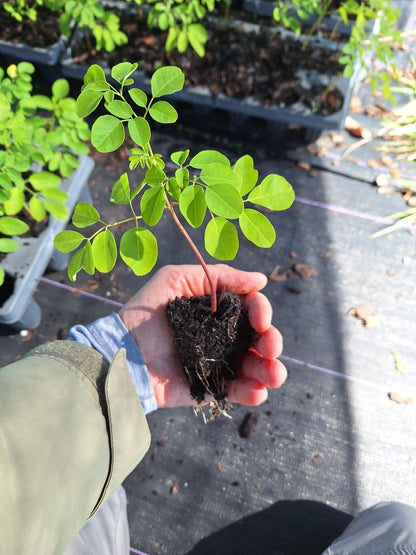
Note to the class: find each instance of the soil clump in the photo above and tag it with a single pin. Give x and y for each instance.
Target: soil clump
(210, 345)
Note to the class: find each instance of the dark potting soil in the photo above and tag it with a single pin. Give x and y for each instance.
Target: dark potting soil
(209, 344)
(42, 33)
(237, 63)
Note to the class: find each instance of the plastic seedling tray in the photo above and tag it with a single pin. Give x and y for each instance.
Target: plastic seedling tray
(25, 266)
(23, 52)
(239, 110)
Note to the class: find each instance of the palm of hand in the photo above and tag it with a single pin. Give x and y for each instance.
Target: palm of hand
(145, 318)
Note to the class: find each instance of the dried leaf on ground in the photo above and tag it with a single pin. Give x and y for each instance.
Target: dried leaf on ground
(304, 270)
(174, 489)
(356, 106)
(353, 127)
(248, 425)
(367, 315)
(278, 275)
(382, 180)
(400, 399)
(304, 165)
(337, 137)
(297, 270)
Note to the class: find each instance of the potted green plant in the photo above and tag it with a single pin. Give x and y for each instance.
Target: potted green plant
(43, 170)
(369, 29)
(53, 22)
(205, 189)
(269, 76)
(30, 31)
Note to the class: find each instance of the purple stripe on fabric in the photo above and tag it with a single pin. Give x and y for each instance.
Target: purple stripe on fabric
(340, 209)
(332, 372)
(136, 551)
(79, 291)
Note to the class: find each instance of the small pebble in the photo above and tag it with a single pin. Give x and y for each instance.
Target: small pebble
(24, 333)
(407, 260)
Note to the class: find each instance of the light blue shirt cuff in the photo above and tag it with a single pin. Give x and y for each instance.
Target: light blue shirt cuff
(107, 335)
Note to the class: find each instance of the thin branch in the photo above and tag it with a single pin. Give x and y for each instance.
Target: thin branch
(197, 254)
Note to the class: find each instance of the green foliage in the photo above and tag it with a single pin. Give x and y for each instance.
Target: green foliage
(92, 15)
(363, 46)
(22, 10)
(207, 189)
(181, 19)
(29, 141)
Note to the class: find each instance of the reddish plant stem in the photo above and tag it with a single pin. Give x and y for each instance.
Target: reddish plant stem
(198, 255)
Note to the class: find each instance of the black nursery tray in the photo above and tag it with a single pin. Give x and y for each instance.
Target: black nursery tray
(22, 51)
(240, 109)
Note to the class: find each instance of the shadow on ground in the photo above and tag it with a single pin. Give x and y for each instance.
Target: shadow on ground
(285, 528)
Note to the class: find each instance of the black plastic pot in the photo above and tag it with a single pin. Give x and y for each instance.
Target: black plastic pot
(25, 266)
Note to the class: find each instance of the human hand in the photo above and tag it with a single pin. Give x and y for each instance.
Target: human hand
(144, 317)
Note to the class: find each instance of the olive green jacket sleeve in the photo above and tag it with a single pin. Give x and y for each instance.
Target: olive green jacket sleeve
(71, 429)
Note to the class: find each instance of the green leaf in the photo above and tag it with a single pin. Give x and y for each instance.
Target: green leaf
(274, 192)
(206, 157)
(25, 67)
(192, 205)
(152, 205)
(245, 169)
(44, 180)
(107, 134)
(15, 202)
(154, 176)
(43, 102)
(217, 174)
(37, 209)
(102, 86)
(121, 190)
(166, 80)
(120, 109)
(93, 74)
(2, 275)
(173, 188)
(197, 36)
(87, 102)
(54, 194)
(221, 239)
(60, 89)
(182, 43)
(104, 249)
(224, 200)
(89, 265)
(12, 226)
(139, 131)
(8, 245)
(85, 215)
(138, 249)
(139, 97)
(75, 264)
(163, 112)
(182, 177)
(68, 241)
(56, 209)
(257, 228)
(179, 158)
(121, 71)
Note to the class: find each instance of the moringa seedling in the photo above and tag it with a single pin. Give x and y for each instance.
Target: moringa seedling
(205, 189)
